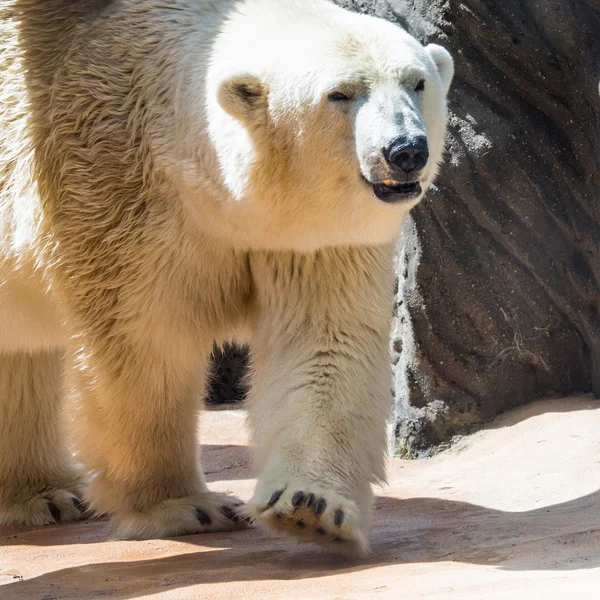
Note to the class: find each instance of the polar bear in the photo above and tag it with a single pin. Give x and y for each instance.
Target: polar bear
(174, 173)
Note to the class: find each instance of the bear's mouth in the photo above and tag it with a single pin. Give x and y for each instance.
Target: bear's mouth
(392, 191)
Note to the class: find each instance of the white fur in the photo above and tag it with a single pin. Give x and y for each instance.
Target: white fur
(173, 173)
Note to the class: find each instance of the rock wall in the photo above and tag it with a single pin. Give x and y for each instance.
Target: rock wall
(499, 276)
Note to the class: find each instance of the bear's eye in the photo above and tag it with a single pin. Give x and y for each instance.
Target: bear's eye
(420, 86)
(338, 97)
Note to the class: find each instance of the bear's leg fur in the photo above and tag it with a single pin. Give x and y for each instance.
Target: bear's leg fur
(320, 393)
(137, 431)
(38, 484)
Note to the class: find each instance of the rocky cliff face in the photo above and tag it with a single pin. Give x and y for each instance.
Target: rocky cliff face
(499, 271)
(499, 275)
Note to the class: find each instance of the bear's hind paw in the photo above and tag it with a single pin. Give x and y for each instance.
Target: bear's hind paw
(50, 506)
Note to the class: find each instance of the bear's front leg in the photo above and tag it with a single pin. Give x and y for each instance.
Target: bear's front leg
(137, 433)
(320, 393)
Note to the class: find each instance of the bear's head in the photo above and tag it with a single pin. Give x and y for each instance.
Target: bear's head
(328, 126)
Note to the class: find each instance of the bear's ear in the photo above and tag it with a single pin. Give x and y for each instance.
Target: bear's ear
(242, 96)
(444, 64)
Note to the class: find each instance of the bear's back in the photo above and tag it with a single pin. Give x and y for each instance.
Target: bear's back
(34, 38)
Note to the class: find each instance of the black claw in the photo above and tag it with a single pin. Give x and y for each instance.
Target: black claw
(297, 498)
(80, 505)
(230, 514)
(309, 500)
(300, 524)
(338, 519)
(203, 517)
(275, 497)
(320, 506)
(339, 539)
(54, 511)
(321, 531)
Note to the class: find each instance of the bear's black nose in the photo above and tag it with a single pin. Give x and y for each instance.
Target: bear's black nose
(408, 154)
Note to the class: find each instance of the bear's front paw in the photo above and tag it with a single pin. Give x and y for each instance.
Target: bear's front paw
(311, 513)
(202, 513)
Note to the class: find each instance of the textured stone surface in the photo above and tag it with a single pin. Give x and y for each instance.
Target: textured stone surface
(472, 523)
(499, 290)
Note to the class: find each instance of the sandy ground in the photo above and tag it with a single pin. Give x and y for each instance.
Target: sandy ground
(511, 512)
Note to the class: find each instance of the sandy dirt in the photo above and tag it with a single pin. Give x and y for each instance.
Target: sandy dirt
(510, 512)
